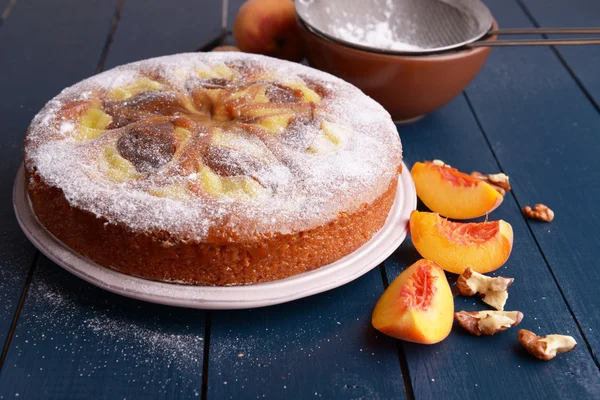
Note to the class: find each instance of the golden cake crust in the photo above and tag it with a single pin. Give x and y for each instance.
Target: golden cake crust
(153, 255)
(213, 169)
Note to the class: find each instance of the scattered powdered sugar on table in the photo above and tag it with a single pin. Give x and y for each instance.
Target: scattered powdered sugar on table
(16, 254)
(302, 190)
(58, 306)
(259, 353)
(103, 337)
(172, 347)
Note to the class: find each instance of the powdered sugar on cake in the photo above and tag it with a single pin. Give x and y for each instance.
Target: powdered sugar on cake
(300, 190)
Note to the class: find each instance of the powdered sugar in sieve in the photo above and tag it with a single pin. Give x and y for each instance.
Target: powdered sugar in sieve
(398, 26)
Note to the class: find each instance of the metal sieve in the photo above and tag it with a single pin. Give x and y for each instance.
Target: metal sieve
(415, 26)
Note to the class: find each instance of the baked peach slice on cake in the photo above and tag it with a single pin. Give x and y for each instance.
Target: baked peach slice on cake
(452, 193)
(417, 306)
(483, 246)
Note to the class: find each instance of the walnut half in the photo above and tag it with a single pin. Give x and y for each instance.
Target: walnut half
(541, 212)
(493, 291)
(499, 181)
(547, 347)
(479, 323)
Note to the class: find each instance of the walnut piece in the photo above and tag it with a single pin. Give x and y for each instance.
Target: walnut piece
(479, 323)
(493, 291)
(499, 181)
(547, 347)
(540, 212)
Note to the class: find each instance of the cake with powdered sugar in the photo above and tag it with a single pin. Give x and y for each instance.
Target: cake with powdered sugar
(212, 168)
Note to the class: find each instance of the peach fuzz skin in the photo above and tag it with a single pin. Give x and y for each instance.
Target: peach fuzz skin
(452, 193)
(269, 27)
(417, 306)
(483, 246)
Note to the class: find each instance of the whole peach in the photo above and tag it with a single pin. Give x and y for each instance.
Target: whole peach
(268, 27)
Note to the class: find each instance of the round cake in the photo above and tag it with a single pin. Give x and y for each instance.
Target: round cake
(212, 168)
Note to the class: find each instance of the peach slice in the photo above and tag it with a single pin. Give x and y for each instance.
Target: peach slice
(452, 193)
(116, 167)
(92, 124)
(173, 192)
(483, 246)
(333, 137)
(128, 91)
(417, 306)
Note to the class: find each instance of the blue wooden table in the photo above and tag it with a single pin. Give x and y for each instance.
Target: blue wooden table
(532, 113)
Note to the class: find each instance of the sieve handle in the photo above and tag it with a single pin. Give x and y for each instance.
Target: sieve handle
(544, 31)
(540, 41)
(534, 42)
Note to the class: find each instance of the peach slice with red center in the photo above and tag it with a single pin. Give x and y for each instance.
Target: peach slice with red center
(417, 306)
(452, 193)
(483, 246)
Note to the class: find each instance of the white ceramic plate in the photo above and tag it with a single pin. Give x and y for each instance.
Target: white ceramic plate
(302, 285)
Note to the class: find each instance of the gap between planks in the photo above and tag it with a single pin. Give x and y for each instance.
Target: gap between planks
(401, 355)
(206, 355)
(564, 63)
(527, 222)
(218, 41)
(111, 33)
(225, 31)
(34, 262)
(37, 254)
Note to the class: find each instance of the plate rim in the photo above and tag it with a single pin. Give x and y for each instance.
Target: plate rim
(322, 279)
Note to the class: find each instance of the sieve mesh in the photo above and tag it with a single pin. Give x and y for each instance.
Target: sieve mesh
(398, 26)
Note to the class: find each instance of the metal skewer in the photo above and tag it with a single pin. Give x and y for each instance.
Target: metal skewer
(540, 41)
(544, 31)
(533, 42)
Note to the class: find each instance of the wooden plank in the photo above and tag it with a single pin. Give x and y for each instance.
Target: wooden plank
(234, 6)
(582, 60)
(151, 28)
(16, 259)
(80, 342)
(463, 366)
(319, 347)
(61, 47)
(544, 132)
(4, 11)
(30, 57)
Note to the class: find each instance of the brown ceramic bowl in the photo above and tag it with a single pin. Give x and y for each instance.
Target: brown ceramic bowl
(406, 86)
